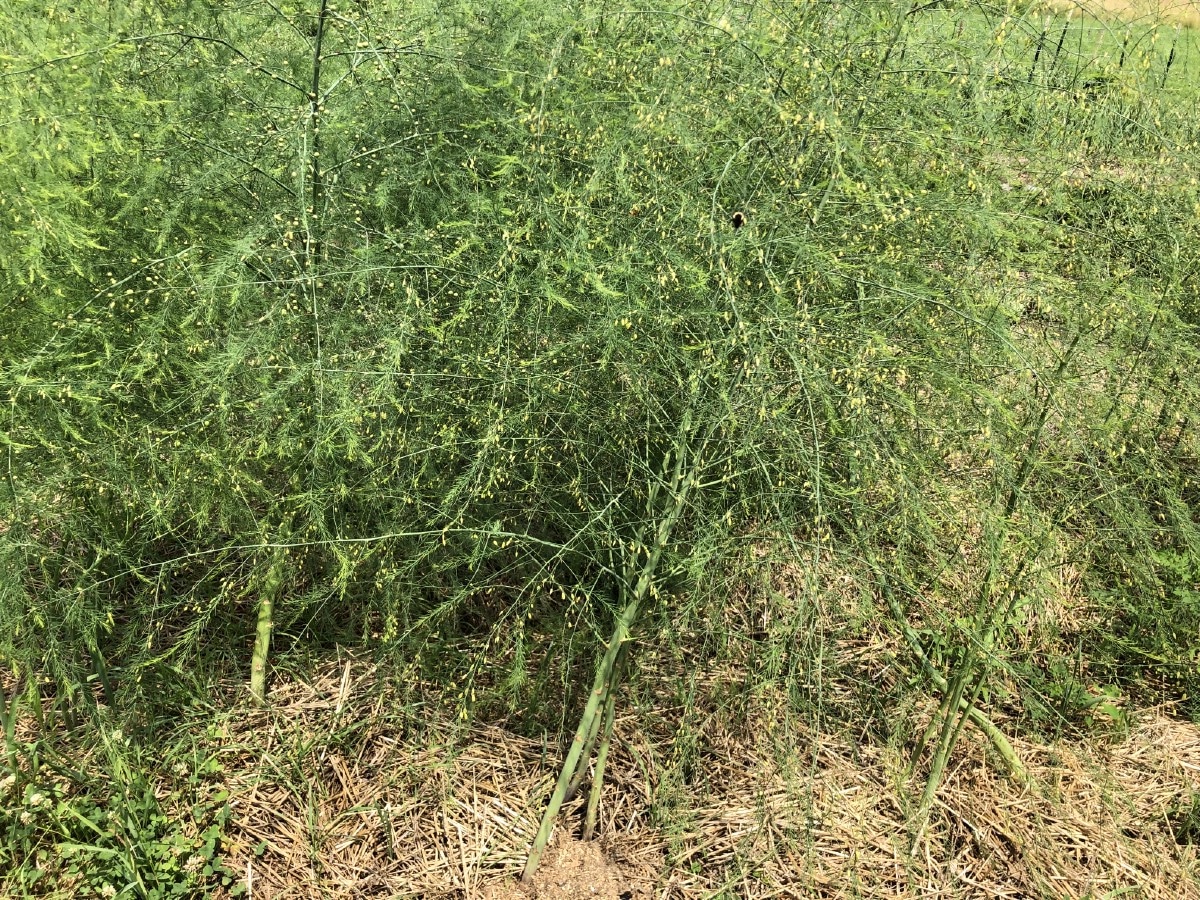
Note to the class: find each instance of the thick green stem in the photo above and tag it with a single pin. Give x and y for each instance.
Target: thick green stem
(957, 707)
(101, 667)
(951, 727)
(944, 709)
(620, 634)
(262, 648)
(581, 768)
(1000, 743)
(954, 706)
(8, 719)
(1027, 463)
(312, 250)
(265, 628)
(681, 484)
(958, 704)
(593, 807)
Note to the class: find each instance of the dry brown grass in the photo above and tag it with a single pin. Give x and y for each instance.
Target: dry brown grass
(1181, 12)
(344, 800)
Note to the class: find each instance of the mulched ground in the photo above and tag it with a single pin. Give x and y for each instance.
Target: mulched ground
(334, 797)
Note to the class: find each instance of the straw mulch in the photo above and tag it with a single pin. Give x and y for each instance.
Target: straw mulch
(334, 797)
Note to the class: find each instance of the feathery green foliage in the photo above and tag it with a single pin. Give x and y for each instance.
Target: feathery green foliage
(390, 314)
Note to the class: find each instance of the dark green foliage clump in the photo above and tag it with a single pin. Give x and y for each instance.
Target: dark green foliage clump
(116, 833)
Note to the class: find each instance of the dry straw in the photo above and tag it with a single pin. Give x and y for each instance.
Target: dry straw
(402, 808)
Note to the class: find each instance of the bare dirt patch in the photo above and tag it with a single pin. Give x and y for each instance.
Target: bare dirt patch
(571, 870)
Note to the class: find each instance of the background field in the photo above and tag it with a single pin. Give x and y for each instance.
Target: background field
(393, 390)
(1173, 12)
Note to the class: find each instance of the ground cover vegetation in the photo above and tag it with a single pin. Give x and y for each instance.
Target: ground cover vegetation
(526, 346)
